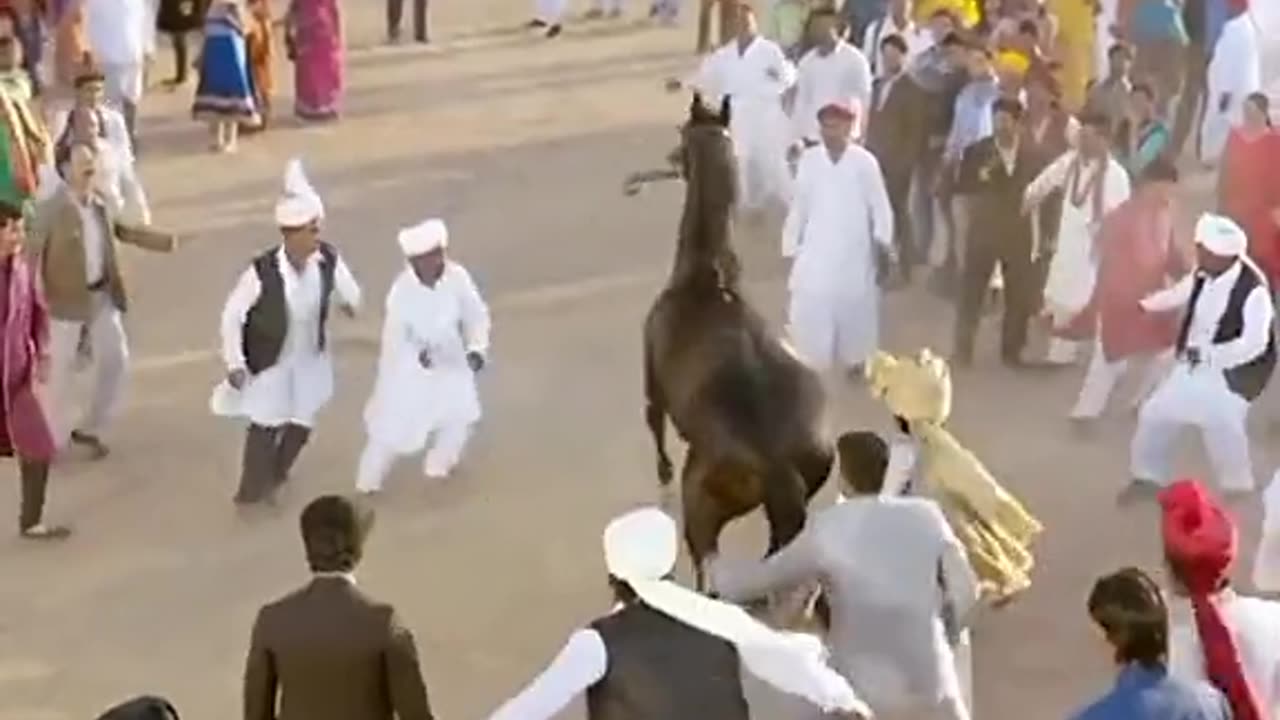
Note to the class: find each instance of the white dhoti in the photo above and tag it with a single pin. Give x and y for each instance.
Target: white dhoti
(1198, 397)
(124, 83)
(834, 329)
(291, 392)
(1101, 378)
(110, 362)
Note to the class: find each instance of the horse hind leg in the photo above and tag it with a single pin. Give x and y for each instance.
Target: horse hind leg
(814, 466)
(703, 519)
(784, 505)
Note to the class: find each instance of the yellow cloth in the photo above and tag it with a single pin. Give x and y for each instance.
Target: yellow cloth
(995, 528)
(966, 11)
(1012, 62)
(1074, 49)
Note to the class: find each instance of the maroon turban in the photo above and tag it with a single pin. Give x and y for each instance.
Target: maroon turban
(1200, 544)
(841, 110)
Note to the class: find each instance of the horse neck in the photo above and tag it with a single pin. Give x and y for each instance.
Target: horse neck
(705, 243)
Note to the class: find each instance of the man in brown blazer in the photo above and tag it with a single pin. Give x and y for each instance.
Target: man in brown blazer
(328, 651)
(74, 238)
(896, 135)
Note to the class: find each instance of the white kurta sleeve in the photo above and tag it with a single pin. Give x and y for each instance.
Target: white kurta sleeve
(799, 561)
(234, 312)
(581, 663)
(345, 284)
(709, 79)
(1254, 336)
(786, 70)
(132, 196)
(1170, 298)
(860, 84)
(1118, 188)
(802, 107)
(475, 315)
(1049, 179)
(879, 209)
(798, 211)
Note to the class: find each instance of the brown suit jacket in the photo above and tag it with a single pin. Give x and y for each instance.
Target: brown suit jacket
(329, 652)
(56, 240)
(897, 131)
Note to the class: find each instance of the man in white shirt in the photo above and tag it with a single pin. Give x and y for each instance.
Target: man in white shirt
(754, 73)
(832, 72)
(1226, 352)
(1216, 634)
(896, 22)
(116, 178)
(897, 581)
(667, 653)
(839, 224)
(275, 343)
(434, 340)
(1235, 72)
(122, 37)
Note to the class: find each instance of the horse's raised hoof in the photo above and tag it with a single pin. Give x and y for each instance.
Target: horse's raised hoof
(666, 471)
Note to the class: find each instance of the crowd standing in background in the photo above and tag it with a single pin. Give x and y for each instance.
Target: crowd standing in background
(1028, 152)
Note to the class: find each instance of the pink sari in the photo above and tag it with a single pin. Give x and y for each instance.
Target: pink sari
(315, 30)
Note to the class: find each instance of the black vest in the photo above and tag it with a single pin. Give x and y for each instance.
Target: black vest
(267, 322)
(662, 669)
(1250, 379)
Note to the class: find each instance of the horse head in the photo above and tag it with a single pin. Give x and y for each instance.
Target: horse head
(707, 162)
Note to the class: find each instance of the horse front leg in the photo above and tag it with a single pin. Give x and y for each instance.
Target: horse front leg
(655, 415)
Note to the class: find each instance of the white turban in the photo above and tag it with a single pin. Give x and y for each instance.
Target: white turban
(1221, 236)
(298, 204)
(424, 237)
(640, 549)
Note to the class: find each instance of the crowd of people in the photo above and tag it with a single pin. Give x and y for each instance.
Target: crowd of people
(1017, 151)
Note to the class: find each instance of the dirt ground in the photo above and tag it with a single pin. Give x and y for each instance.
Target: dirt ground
(522, 145)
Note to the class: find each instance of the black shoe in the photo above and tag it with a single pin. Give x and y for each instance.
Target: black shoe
(97, 449)
(1137, 491)
(553, 31)
(536, 24)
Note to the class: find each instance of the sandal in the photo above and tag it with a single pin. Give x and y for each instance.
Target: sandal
(97, 449)
(40, 531)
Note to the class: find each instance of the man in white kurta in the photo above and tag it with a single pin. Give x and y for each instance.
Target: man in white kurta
(1235, 72)
(122, 37)
(754, 73)
(839, 228)
(895, 22)
(1222, 354)
(832, 72)
(434, 340)
(898, 582)
(274, 343)
(1094, 183)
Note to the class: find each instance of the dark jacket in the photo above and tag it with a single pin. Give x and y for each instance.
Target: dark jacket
(896, 132)
(329, 652)
(995, 195)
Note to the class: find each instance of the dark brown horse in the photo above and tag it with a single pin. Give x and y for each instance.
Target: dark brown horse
(750, 412)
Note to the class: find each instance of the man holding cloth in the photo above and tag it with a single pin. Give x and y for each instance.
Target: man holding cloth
(1215, 634)
(667, 653)
(434, 340)
(840, 222)
(1225, 352)
(275, 340)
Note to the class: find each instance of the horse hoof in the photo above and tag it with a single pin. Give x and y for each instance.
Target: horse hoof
(665, 471)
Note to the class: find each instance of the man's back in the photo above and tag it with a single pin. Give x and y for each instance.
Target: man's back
(1153, 694)
(330, 652)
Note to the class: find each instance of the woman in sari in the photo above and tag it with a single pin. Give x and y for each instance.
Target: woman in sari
(314, 35)
(261, 45)
(225, 97)
(1249, 184)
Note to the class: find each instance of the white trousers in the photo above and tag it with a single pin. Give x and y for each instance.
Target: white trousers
(444, 450)
(110, 361)
(830, 329)
(1200, 398)
(1062, 352)
(551, 12)
(763, 171)
(1101, 378)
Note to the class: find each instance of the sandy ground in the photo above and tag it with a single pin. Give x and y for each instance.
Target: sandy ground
(522, 145)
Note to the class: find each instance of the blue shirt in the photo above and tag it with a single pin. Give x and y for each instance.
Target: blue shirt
(1156, 20)
(1152, 694)
(972, 121)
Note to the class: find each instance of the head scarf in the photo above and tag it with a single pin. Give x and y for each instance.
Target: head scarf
(1221, 235)
(640, 549)
(424, 237)
(1200, 543)
(298, 204)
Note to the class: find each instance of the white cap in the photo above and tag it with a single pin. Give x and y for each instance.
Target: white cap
(424, 237)
(641, 545)
(298, 204)
(1221, 235)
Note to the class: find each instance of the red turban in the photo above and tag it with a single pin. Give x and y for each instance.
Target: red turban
(1200, 543)
(842, 110)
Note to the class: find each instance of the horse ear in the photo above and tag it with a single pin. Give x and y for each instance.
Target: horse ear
(695, 105)
(724, 111)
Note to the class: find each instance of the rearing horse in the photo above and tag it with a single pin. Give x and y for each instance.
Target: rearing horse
(749, 410)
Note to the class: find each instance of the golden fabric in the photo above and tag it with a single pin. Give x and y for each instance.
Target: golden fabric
(996, 529)
(966, 11)
(1074, 49)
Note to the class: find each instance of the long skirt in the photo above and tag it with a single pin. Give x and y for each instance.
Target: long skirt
(318, 60)
(226, 88)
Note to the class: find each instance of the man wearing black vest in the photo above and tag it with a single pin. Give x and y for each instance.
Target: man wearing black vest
(275, 340)
(1226, 351)
(667, 653)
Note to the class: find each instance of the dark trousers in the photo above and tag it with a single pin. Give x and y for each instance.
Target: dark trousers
(269, 455)
(1186, 122)
(898, 186)
(181, 57)
(35, 487)
(1012, 251)
(395, 11)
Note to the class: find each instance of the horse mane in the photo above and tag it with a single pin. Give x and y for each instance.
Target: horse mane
(705, 258)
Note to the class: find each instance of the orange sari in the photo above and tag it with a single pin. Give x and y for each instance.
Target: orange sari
(260, 44)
